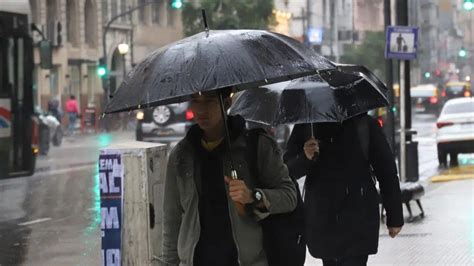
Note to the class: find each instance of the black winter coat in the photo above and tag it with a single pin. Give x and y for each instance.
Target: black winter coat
(341, 201)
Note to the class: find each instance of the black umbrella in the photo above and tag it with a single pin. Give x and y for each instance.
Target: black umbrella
(212, 60)
(331, 96)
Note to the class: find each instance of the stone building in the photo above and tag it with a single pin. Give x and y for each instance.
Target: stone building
(76, 28)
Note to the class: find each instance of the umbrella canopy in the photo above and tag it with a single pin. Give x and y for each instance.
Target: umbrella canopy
(211, 60)
(313, 99)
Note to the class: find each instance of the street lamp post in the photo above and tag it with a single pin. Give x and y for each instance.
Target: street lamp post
(104, 42)
(123, 50)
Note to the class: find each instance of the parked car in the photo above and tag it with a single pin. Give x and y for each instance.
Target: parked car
(456, 89)
(425, 98)
(455, 132)
(164, 123)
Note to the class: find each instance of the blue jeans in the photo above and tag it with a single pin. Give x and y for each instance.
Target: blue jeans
(72, 122)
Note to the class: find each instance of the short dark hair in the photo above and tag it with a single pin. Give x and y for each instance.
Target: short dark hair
(72, 97)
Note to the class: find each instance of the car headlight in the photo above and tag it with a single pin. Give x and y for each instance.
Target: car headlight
(140, 115)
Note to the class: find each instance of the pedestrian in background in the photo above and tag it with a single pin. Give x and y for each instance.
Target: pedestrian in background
(202, 224)
(341, 202)
(72, 111)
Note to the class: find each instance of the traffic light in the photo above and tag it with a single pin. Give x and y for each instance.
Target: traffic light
(176, 4)
(468, 5)
(102, 68)
(427, 75)
(462, 52)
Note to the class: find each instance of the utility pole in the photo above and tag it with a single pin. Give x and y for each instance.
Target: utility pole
(408, 148)
(334, 31)
(389, 79)
(402, 20)
(308, 15)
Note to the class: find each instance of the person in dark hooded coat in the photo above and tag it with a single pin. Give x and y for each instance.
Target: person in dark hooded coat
(341, 200)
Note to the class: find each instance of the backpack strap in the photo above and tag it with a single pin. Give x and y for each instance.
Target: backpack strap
(251, 137)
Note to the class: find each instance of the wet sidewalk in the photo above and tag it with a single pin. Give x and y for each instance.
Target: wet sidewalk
(79, 151)
(443, 237)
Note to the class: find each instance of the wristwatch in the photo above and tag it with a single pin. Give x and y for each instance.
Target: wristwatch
(257, 196)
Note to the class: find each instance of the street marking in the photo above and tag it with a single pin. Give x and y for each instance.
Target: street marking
(455, 173)
(445, 178)
(35, 221)
(64, 171)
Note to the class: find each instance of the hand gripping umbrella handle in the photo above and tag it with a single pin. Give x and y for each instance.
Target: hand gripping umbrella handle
(239, 206)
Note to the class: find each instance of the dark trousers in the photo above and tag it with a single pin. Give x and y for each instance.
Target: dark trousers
(347, 261)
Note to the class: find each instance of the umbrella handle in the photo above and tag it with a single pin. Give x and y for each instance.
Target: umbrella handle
(312, 130)
(239, 206)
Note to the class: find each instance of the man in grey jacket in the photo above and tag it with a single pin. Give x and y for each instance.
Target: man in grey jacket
(202, 222)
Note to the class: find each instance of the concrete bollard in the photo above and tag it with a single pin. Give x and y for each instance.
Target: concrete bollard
(132, 176)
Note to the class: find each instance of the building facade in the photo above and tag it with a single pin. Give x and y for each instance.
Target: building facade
(76, 27)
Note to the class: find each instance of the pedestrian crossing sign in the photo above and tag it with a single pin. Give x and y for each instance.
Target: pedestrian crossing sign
(401, 42)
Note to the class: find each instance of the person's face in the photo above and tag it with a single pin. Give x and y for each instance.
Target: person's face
(207, 112)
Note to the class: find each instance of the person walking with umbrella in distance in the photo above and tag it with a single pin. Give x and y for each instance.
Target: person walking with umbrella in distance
(342, 162)
(203, 219)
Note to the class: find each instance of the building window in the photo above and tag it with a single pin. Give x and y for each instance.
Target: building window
(71, 22)
(51, 19)
(123, 8)
(114, 8)
(171, 16)
(35, 11)
(105, 11)
(142, 11)
(156, 14)
(90, 23)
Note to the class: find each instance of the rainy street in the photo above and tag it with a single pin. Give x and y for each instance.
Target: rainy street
(52, 218)
(96, 95)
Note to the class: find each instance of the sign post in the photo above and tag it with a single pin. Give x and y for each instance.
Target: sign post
(401, 44)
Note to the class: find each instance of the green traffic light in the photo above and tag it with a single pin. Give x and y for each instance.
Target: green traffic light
(427, 75)
(468, 5)
(176, 4)
(462, 53)
(101, 71)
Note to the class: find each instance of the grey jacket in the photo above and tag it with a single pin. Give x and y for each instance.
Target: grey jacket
(181, 225)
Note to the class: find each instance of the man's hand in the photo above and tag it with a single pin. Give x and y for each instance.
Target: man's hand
(311, 148)
(238, 191)
(393, 231)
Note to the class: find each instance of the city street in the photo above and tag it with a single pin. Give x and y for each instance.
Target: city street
(52, 218)
(148, 70)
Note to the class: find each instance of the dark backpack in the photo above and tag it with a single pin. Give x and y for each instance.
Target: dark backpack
(283, 238)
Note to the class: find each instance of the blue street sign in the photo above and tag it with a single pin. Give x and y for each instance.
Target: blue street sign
(315, 35)
(401, 42)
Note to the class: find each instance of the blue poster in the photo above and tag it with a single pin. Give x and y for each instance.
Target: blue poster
(111, 180)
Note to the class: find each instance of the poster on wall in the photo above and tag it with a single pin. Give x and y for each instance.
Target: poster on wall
(111, 204)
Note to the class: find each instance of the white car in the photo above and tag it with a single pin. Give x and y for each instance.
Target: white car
(455, 132)
(166, 123)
